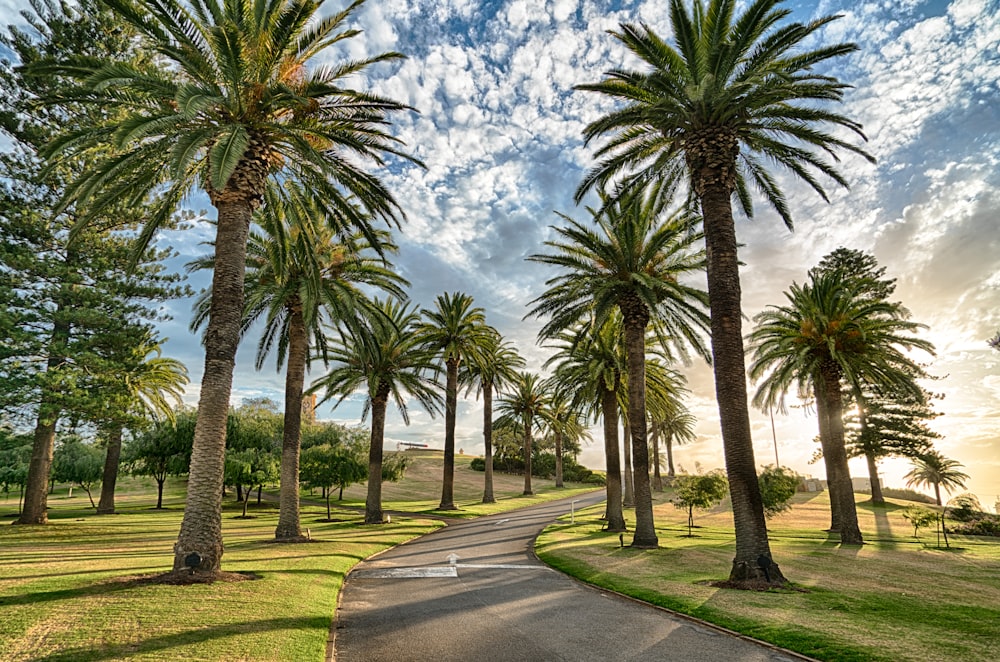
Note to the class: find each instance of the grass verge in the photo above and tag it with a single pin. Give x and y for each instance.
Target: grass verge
(66, 594)
(895, 598)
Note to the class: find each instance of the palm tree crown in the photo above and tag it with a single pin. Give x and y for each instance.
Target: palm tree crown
(935, 469)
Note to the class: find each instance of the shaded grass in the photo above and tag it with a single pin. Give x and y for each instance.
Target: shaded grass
(896, 598)
(65, 594)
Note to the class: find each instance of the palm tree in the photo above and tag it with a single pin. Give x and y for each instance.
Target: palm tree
(588, 360)
(388, 360)
(667, 415)
(831, 334)
(300, 276)
(154, 383)
(632, 261)
(489, 372)
(732, 95)
(523, 407)
(229, 103)
(935, 469)
(459, 333)
(563, 419)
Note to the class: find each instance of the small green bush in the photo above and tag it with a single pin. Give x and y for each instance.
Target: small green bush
(989, 525)
(906, 495)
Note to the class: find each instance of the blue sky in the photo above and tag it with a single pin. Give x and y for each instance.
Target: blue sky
(499, 128)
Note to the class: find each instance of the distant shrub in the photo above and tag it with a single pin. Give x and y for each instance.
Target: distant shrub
(906, 495)
(478, 464)
(988, 525)
(777, 487)
(596, 479)
(965, 508)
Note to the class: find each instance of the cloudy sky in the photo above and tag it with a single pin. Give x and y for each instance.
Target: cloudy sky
(499, 128)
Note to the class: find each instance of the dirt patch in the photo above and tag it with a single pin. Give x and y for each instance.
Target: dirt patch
(754, 585)
(183, 578)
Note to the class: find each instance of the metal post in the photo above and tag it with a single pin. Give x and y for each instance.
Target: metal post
(572, 512)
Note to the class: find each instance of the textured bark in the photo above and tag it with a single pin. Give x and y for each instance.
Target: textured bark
(450, 405)
(628, 493)
(289, 528)
(836, 454)
(668, 443)
(559, 464)
(654, 433)
(106, 506)
(201, 528)
(636, 316)
(488, 442)
(833, 482)
(715, 191)
(159, 492)
(609, 411)
(36, 488)
(527, 457)
(373, 502)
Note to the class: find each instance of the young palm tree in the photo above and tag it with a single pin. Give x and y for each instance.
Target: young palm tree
(458, 333)
(301, 276)
(828, 336)
(386, 360)
(524, 406)
(667, 415)
(156, 383)
(490, 371)
(229, 103)
(632, 261)
(935, 469)
(730, 96)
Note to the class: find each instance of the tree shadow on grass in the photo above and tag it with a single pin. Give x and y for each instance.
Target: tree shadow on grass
(164, 643)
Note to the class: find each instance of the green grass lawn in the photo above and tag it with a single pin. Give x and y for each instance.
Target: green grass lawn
(68, 590)
(895, 598)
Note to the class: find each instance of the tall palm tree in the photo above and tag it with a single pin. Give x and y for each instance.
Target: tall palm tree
(303, 271)
(229, 103)
(587, 359)
(524, 406)
(153, 386)
(677, 426)
(563, 418)
(934, 469)
(831, 335)
(632, 261)
(387, 359)
(730, 96)
(458, 332)
(490, 371)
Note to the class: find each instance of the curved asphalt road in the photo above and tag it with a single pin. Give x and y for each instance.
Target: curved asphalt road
(497, 602)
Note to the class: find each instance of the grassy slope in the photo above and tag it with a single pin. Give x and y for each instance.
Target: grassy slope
(65, 595)
(895, 598)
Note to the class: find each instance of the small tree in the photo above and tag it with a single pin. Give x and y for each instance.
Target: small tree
(15, 453)
(919, 517)
(163, 450)
(699, 491)
(77, 462)
(327, 466)
(777, 487)
(251, 467)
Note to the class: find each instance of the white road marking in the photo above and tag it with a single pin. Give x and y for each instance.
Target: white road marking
(407, 573)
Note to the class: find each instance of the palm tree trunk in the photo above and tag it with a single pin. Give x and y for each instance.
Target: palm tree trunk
(636, 317)
(373, 502)
(488, 442)
(106, 506)
(877, 496)
(36, 488)
(201, 528)
(450, 405)
(289, 527)
(730, 376)
(655, 434)
(527, 457)
(835, 454)
(668, 443)
(833, 481)
(559, 464)
(628, 497)
(160, 480)
(609, 411)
